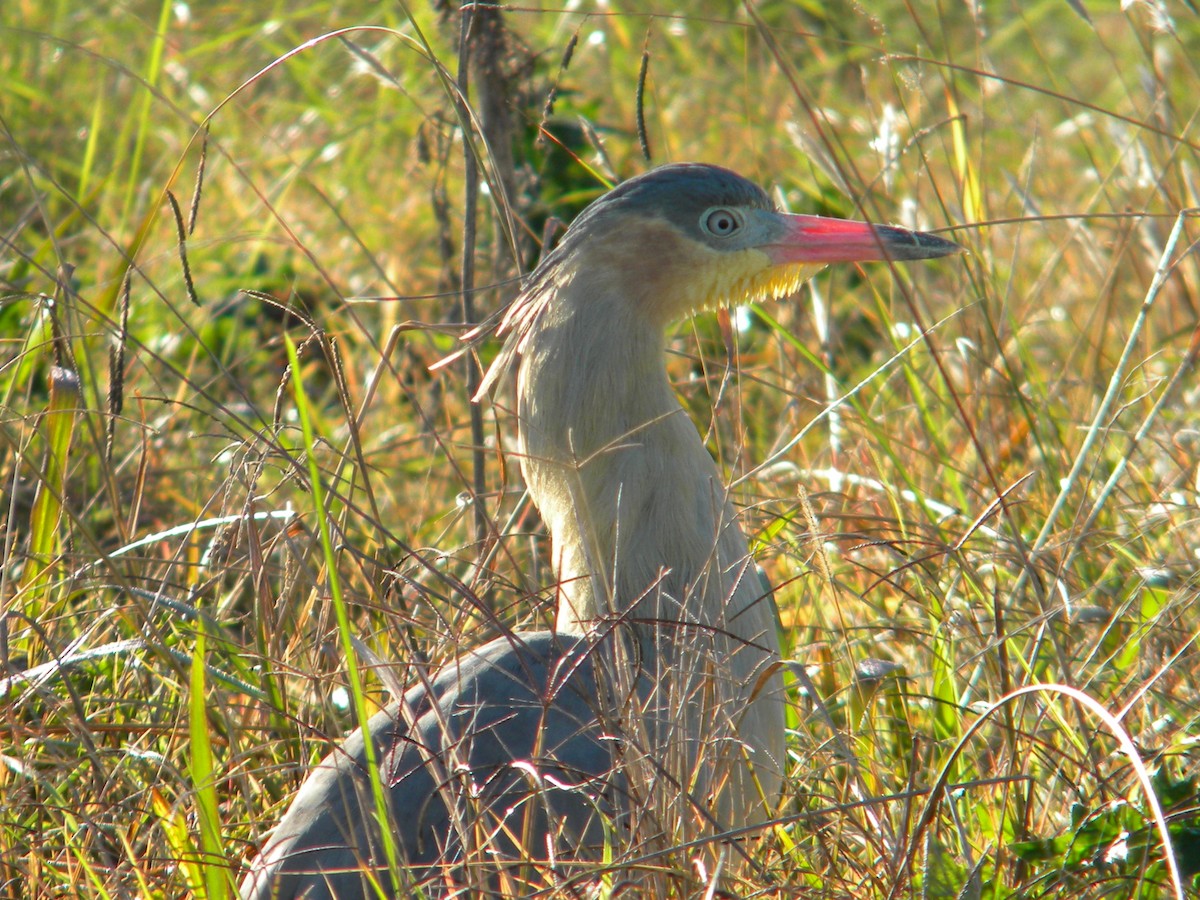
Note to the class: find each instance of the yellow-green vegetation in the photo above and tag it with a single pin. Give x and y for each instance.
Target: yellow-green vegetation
(966, 479)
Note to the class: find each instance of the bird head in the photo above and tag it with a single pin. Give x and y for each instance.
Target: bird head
(690, 236)
(686, 237)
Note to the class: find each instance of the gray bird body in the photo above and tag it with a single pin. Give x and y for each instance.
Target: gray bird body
(672, 718)
(446, 768)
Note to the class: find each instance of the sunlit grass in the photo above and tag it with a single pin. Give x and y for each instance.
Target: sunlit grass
(980, 518)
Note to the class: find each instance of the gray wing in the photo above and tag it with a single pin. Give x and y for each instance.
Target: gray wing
(447, 768)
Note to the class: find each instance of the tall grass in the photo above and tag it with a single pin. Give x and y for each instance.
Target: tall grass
(967, 480)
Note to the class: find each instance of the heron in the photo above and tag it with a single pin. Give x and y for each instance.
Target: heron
(656, 705)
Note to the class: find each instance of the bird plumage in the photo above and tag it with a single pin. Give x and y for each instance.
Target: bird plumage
(670, 721)
(445, 755)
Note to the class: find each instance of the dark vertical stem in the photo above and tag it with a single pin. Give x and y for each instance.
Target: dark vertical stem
(467, 273)
(643, 138)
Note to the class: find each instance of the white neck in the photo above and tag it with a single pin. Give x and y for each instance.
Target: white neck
(634, 502)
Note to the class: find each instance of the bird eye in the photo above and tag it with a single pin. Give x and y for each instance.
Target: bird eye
(720, 222)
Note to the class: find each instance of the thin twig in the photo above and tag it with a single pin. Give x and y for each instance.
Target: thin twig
(467, 273)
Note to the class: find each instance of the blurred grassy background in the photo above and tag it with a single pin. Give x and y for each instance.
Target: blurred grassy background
(980, 475)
